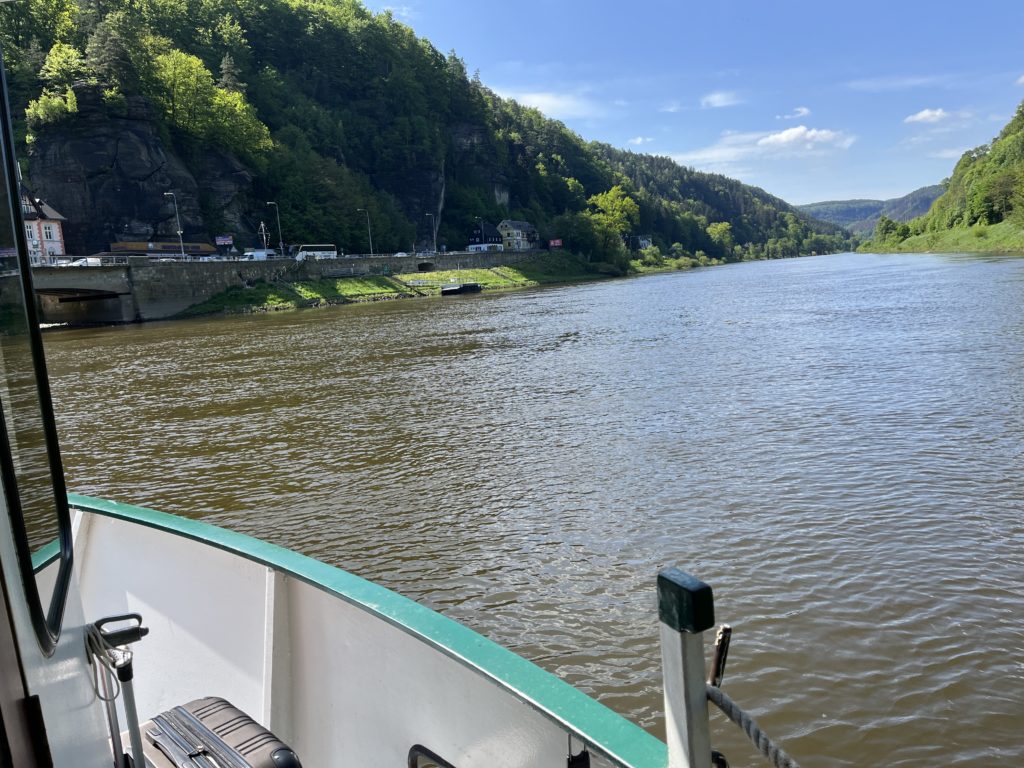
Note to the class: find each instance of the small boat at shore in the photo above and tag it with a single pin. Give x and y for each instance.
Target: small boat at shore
(454, 289)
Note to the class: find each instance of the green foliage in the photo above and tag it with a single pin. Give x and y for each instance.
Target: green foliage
(63, 66)
(721, 235)
(190, 101)
(336, 108)
(987, 185)
(50, 107)
(1004, 237)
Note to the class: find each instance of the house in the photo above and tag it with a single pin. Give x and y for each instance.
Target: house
(484, 234)
(44, 231)
(518, 235)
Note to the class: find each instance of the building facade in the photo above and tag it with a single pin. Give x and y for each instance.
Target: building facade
(44, 231)
(518, 235)
(485, 234)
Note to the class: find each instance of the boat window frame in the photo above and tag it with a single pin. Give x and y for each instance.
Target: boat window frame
(46, 620)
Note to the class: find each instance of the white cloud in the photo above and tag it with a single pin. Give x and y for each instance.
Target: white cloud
(639, 140)
(927, 116)
(796, 114)
(892, 83)
(672, 106)
(808, 138)
(1020, 80)
(561, 106)
(718, 99)
(733, 147)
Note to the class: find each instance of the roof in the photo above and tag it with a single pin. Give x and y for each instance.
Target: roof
(33, 208)
(488, 228)
(516, 224)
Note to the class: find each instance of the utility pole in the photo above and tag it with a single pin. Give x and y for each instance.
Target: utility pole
(177, 219)
(369, 232)
(280, 237)
(433, 229)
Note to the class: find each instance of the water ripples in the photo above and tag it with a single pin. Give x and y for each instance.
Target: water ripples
(833, 443)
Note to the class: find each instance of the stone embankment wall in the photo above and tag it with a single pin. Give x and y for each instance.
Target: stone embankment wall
(144, 290)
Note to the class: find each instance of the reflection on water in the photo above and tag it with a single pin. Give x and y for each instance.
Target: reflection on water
(833, 443)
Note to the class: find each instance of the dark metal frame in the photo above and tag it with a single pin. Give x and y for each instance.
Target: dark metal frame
(46, 621)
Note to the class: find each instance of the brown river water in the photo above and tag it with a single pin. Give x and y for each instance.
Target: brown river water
(835, 444)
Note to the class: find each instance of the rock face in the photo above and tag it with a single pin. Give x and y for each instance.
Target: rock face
(107, 170)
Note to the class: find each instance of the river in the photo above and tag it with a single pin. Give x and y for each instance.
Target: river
(835, 444)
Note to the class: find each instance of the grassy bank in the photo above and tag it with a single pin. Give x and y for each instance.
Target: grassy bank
(1005, 237)
(556, 267)
(262, 297)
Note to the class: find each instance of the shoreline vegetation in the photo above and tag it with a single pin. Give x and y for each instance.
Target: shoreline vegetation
(1005, 237)
(549, 269)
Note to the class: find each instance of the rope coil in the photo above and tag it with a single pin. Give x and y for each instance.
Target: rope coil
(749, 726)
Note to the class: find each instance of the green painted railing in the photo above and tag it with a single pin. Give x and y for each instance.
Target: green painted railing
(42, 557)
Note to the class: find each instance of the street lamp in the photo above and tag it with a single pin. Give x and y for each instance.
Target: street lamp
(181, 242)
(433, 229)
(369, 232)
(280, 238)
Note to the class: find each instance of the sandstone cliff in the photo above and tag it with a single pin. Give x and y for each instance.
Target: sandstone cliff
(107, 168)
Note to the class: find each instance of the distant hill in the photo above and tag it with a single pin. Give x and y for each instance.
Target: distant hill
(860, 216)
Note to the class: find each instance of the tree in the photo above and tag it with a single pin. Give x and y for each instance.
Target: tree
(185, 90)
(63, 66)
(229, 75)
(721, 235)
(616, 209)
(108, 56)
(885, 229)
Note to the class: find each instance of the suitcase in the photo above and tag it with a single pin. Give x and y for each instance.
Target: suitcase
(211, 733)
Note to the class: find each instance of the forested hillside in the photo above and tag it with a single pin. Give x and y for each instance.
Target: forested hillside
(861, 216)
(327, 109)
(982, 207)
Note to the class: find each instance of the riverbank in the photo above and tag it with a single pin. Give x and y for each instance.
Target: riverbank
(1004, 237)
(552, 268)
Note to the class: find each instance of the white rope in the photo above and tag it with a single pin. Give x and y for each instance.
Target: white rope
(765, 745)
(103, 654)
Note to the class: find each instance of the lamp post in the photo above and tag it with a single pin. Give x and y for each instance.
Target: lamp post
(433, 229)
(369, 232)
(181, 242)
(280, 237)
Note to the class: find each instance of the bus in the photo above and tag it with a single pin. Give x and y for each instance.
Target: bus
(317, 252)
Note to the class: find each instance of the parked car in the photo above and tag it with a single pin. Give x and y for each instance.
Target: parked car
(88, 261)
(259, 254)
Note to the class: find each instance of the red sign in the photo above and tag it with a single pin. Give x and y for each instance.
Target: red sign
(555, 243)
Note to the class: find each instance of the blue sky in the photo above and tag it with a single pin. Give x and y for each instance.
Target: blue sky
(809, 100)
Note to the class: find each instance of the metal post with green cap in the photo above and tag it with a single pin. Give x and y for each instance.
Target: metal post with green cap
(686, 608)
